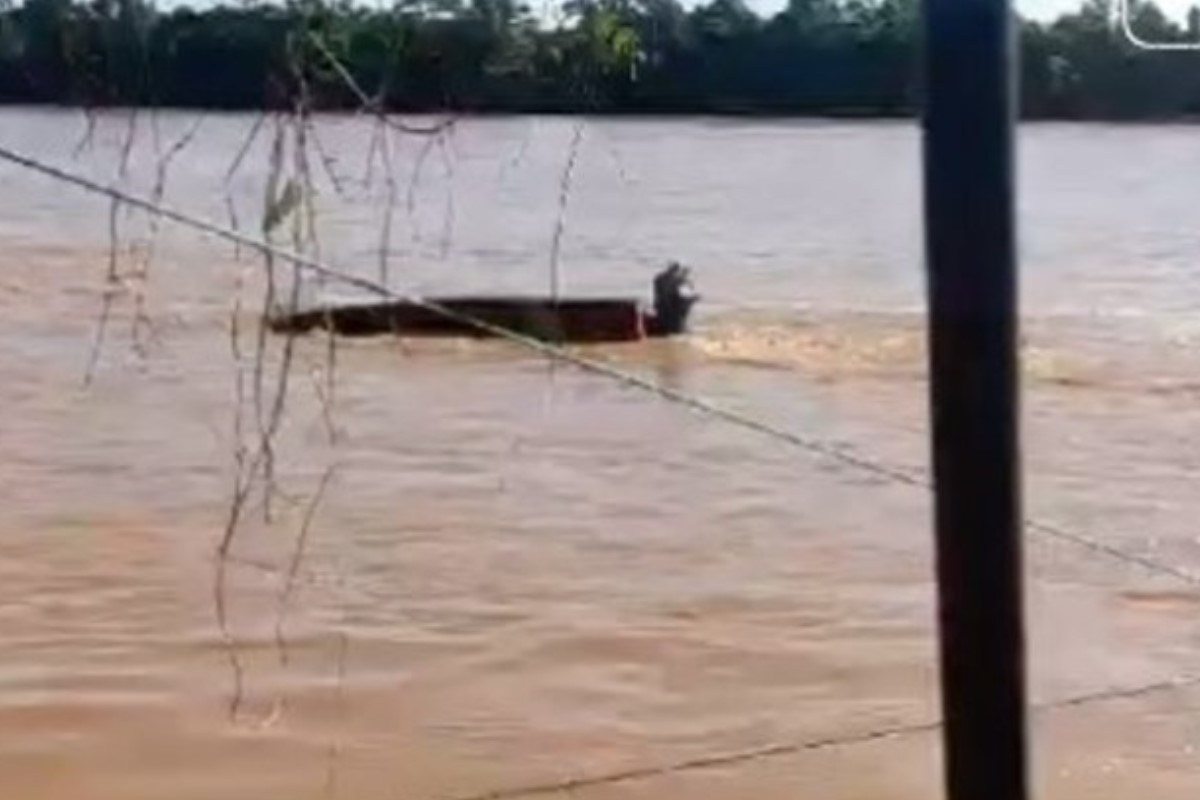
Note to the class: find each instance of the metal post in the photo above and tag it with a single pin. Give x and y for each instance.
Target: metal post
(970, 241)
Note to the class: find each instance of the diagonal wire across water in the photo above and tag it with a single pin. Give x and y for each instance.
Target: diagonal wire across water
(697, 404)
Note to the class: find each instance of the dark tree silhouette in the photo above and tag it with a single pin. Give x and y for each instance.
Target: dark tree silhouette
(819, 57)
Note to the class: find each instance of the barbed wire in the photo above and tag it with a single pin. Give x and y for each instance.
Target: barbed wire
(695, 403)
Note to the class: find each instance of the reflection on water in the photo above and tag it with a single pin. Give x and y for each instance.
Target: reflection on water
(521, 573)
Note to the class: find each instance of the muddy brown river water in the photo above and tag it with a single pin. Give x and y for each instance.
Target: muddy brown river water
(521, 574)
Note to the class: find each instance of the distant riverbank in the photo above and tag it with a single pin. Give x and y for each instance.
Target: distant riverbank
(817, 58)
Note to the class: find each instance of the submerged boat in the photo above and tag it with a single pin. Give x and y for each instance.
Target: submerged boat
(549, 319)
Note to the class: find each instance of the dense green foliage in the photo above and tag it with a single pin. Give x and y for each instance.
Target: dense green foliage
(637, 56)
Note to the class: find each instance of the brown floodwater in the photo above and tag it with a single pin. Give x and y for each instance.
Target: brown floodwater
(519, 573)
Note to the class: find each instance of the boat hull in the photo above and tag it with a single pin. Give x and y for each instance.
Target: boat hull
(575, 320)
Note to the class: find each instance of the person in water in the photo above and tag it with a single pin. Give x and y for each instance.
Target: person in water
(674, 297)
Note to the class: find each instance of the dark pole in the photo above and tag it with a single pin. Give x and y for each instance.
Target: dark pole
(970, 241)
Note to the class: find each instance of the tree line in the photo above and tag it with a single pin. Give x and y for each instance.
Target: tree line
(815, 57)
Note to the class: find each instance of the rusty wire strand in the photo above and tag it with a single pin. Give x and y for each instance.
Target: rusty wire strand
(127, 144)
(564, 198)
(142, 323)
(327, 161)
(89, 132)
(389, 212)
(251, 137)
(297, 557)
(112, 286)
(449, 207)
